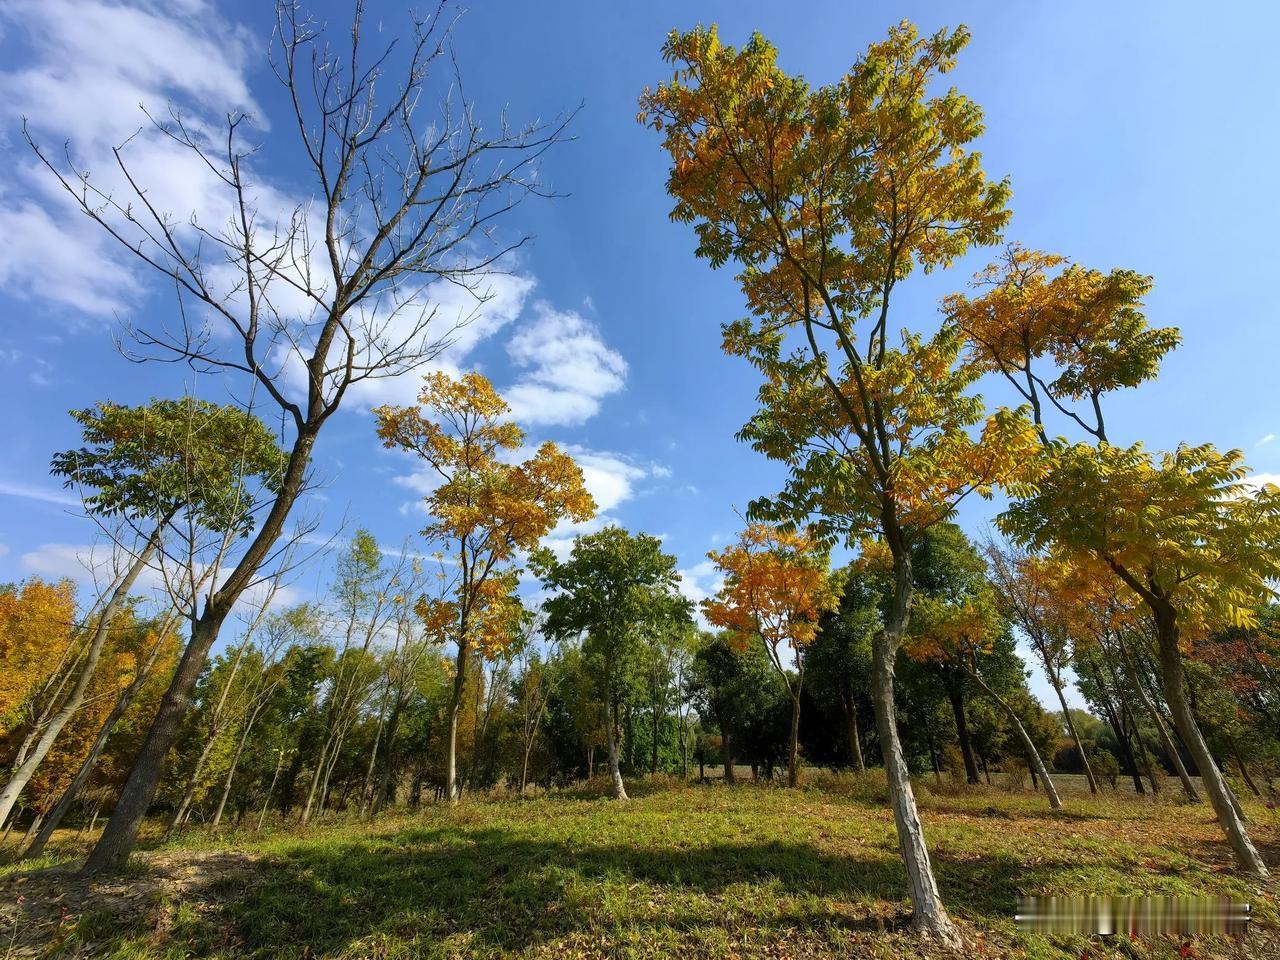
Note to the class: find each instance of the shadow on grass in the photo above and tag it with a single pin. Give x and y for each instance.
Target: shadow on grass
(496, 892)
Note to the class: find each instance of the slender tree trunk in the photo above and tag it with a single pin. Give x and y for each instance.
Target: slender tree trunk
(793, 747)
(726, 748)
(611, 733)
(249, 724)
(1220, 795)
(388, 759)
(455, 704)
(1071, 729)
(855, 737)
(1122, 741)
(1244, 771)
(266, 802)
(955, 693)
(22, 775)
(99, 744)
(1037, 762)
(1170, 748)
(316, 777)
(929, 915)
(189, 794)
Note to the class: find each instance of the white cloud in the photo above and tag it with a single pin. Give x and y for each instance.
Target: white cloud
(92, 65)
(569, 369)
(4, 549)
(700, 581)
(1259, 480)
(42, 494)
(1265, 440)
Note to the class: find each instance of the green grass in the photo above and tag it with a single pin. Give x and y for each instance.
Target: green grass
(696, 872)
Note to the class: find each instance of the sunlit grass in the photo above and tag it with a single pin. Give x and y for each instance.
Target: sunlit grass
(692, 872)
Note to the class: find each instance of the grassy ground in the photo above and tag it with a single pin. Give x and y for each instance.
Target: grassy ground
(688, 872)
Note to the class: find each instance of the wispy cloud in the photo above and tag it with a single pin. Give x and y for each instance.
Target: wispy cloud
(88, 67)
(1262, 442)
(42, 494)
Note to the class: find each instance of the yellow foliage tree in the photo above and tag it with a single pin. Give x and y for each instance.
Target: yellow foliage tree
(485, 511)
(777, 585)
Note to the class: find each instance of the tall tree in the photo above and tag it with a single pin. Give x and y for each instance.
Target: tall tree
(614, 589)
(776, 588)
(1194, 545)
(150, 465)
(485, 511)
(1034, 596)
(339, 290)
(827, 199)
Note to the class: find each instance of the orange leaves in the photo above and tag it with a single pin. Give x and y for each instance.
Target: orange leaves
(1087, 324)
(776, 586)
(36, 629)
(486, 509)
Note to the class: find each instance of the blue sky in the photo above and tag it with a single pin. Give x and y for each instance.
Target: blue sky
(1142, 135)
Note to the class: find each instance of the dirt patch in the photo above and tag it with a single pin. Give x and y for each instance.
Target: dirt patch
(40, 910)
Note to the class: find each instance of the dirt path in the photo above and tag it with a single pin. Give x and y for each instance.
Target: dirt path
(39, 910)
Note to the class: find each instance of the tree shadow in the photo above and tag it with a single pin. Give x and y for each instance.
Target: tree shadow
(497, 892)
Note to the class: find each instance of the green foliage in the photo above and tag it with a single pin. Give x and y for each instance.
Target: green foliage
(151, 461)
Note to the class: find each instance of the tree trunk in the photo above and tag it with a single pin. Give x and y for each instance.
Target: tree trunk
(1122, 741)
(726, 750)
(793, 748)
(99, 744)
(929, 915)
(1170, 748)
(388, 759)
(855, 738)
(266, 802)
(1037, 763)
(316, 778)
(366, 792)
(121, 833)
(1071, 729)
(653, 762)
(1220, 796)
(455, 704)
(22, 775)
(1244, 771)
(615, 773)
(189, 794)
(955, 693)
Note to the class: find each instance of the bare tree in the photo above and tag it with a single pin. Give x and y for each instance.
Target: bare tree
(306, 304)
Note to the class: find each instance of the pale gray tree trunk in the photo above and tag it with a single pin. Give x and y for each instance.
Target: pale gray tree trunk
(99, 744)
(22, 775)
(611, 733)
(1037, 762)
(929, 915)
(1071, 729)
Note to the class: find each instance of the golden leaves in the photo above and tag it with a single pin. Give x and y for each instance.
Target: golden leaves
(776, 586)
(487, 508)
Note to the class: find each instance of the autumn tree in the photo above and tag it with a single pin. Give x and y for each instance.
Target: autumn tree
(301, 296)
(1035, 594)
(1179, 529)
(776, 587)
(149, 466)
(958, 625)
(613, 590)
(828, 198)
(486, 511)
